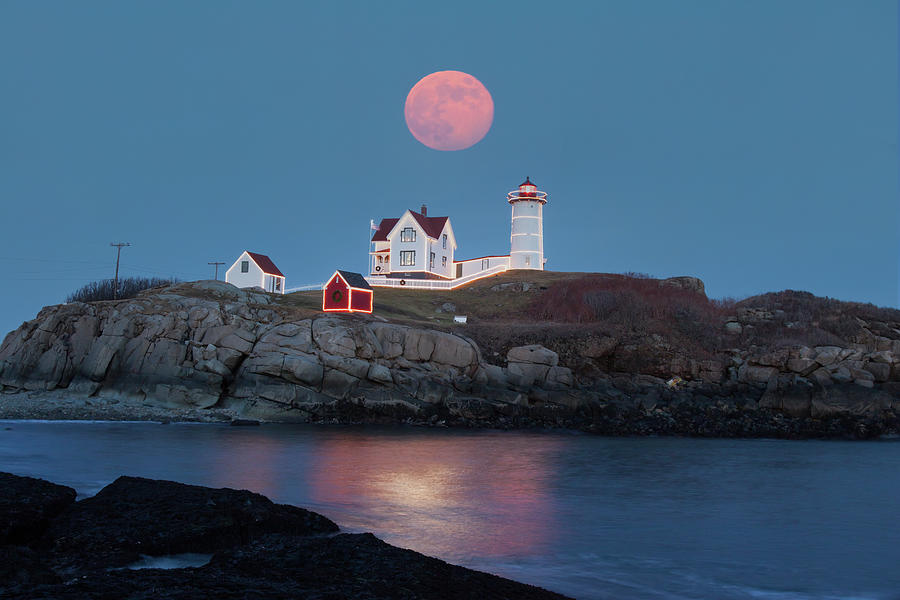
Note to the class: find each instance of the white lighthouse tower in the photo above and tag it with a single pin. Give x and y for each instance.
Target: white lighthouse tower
(527, 238)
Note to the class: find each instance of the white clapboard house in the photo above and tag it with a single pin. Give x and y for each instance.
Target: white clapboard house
(418, 251)
(254, 270)
(414, 246)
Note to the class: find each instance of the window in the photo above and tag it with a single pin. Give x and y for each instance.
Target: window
(445, 241)
(407, 258)
(484, 263)
(527, 260)
(245, 266)
(444, 261)
(277, 285)
(431, 262)
(407, 234)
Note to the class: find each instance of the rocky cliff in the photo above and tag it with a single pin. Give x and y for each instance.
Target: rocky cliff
(210, 348)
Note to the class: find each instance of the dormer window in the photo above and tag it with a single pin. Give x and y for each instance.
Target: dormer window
(407, 234)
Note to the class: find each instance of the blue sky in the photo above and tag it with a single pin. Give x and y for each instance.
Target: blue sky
(752, 144)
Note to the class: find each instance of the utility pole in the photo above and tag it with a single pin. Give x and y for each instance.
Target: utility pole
(118, 246)
(217, 268)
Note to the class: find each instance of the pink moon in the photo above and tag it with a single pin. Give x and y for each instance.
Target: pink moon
(449, 110)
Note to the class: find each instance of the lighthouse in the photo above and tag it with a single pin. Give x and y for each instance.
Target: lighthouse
(527, 237)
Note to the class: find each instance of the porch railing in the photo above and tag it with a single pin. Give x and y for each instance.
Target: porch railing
(433, 284)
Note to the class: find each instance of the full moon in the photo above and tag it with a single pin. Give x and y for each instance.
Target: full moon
(449, 110)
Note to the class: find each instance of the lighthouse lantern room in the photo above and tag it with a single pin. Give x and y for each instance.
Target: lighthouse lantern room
(527, 235)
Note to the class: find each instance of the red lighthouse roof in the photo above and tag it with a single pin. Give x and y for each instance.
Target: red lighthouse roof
(527, 191)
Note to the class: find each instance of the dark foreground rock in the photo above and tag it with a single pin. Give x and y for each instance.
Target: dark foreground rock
(27, 505)
(134, 516)
(259, 550)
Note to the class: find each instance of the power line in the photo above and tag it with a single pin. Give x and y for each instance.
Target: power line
(54, 260)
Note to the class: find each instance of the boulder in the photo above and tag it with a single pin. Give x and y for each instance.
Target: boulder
(756, 375)
(303, 369)
(821, 376)
(560, 376)
(841, 374)
(296, 336)
(213, 366)
(776, 358)
(495, 375)
(525, 374)
(826, 355)
(333, 337)
(446, 307)
(379, 373)
(803, 366)
(390, 337)
(351, 366)
(418, 344)
(454, 351)
(534, 354)
(883, 357)
(692, 284)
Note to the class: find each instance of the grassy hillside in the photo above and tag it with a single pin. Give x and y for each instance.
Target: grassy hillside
(480, 301)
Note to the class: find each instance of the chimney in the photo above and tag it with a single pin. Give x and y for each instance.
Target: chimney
(424, 211)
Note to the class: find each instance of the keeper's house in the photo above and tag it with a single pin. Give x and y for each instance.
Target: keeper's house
(414, 246)
(253, 270)
(347, 292)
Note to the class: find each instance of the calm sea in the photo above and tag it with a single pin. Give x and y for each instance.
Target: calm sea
(588, 516)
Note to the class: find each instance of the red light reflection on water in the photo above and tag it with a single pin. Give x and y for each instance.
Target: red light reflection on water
(444, 495)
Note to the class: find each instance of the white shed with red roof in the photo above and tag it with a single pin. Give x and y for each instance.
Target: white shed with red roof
(254, 270)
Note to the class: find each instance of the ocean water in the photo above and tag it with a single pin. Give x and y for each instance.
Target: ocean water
(591, 517)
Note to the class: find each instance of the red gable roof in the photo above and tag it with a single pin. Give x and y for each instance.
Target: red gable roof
(433, 226)
(384, 228)
(265, 263)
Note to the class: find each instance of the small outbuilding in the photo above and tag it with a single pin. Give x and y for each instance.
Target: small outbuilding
(347, 292)
(254, 270)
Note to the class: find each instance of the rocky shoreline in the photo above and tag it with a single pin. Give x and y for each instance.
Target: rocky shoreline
(207, 351)
(54, 547)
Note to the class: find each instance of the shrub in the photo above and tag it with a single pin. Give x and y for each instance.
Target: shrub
(817, 321)
(623, 300)
(105, 288)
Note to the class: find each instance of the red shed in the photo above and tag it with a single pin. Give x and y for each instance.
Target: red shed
(347, 292)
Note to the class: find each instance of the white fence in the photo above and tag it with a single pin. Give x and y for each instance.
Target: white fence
(433, 284)
(305, 288)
